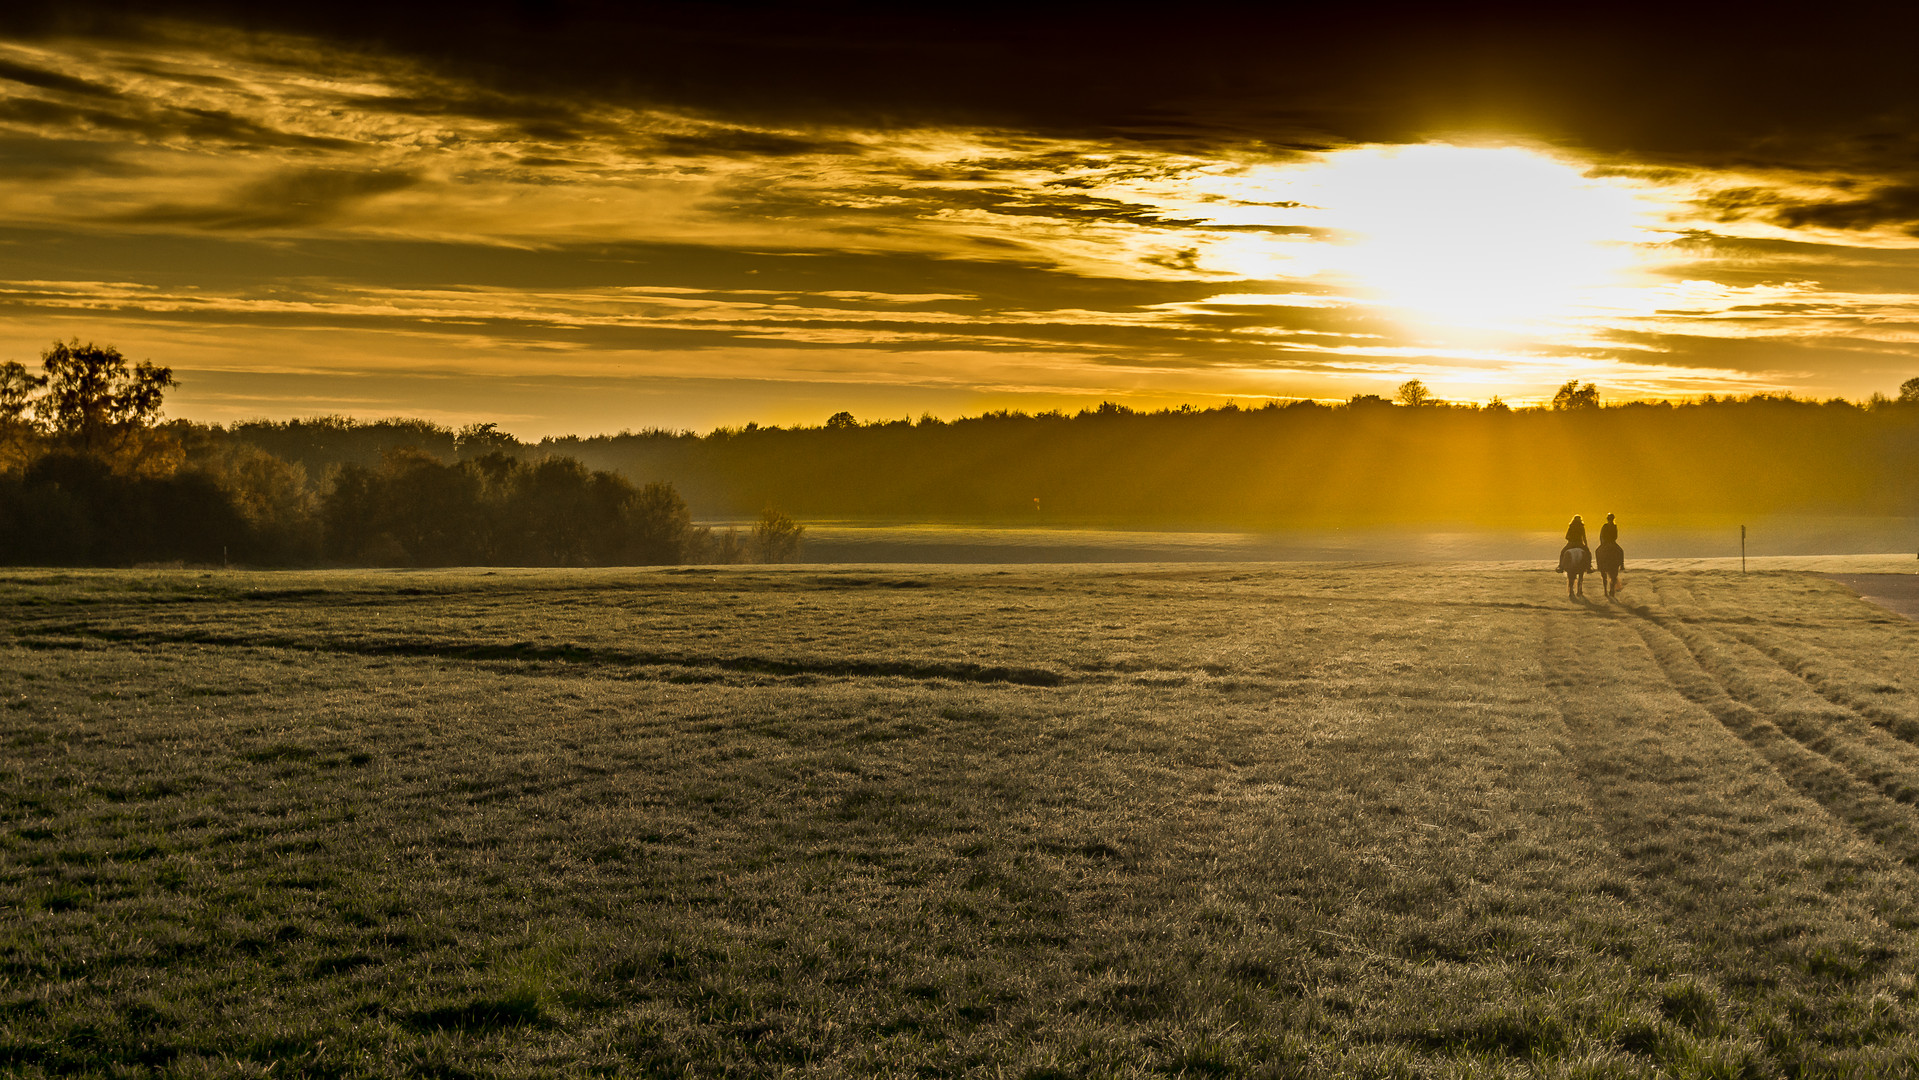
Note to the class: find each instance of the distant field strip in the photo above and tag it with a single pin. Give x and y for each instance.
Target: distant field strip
(1221, 820)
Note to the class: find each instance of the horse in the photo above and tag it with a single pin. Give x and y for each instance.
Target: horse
(1612, 560)
(1575, 562)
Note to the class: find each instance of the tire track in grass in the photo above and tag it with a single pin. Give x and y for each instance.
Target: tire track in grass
(1840, 735)
(1656, 819)
(1800, 927)
(1890, 824)
(1818, 675)
(1881, 748)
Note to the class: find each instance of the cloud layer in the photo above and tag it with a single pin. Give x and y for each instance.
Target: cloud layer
(876, 206)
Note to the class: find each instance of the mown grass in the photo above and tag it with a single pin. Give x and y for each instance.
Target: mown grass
(1262, 821)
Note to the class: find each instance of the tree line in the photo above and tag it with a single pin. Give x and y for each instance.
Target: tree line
(89, 476)
(1370, 460)
(89, 473)
(1367, 461)
(496, 510)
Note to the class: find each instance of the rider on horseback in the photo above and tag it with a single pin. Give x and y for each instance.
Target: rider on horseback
(1576, 558)
(1576, 538)
(1612, 559)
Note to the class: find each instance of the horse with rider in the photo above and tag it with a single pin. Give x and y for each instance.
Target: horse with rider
(1576, 558)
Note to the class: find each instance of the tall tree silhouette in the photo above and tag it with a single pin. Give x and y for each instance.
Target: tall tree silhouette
(91, 394)
(1573, 396)
(1413, 393)
(16, 391)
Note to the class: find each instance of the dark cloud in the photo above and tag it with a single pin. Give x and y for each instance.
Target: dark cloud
(1082, 208)
(60, 159)
(215, 124)
(477, 106)
(761, 300)
(154, 123)
(227, 263)
(51, 80)
(1737, 204)
(1821, 354)
(1689, 84)
(173, 73)
(884, 203)
(297, 198)
(41, 113)
(1892, 205)
(554, 121)
(532, 117)
(1185, 260)
(740, 143)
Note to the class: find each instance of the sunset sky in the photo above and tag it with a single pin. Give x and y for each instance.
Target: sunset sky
(577, 217)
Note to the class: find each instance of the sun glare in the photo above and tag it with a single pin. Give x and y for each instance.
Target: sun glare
(1469, 237)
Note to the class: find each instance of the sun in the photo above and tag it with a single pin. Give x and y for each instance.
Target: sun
(1474, 237)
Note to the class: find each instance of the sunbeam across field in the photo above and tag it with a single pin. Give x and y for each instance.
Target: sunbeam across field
(852, 821)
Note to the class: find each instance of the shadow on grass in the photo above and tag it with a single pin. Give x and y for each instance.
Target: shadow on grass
(481, 1015)
(958, 671)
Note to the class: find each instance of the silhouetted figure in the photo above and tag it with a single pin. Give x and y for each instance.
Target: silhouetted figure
(1612, 558)
(1575, 559)
(1576, 532)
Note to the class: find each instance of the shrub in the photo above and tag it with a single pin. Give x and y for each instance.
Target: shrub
(776, 538)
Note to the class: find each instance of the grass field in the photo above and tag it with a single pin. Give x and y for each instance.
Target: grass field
(1024, 822)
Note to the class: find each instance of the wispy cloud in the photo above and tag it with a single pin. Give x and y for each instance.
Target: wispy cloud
(370, 194)
(296, 198)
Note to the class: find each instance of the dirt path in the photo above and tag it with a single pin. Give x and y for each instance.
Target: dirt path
(1895, 592)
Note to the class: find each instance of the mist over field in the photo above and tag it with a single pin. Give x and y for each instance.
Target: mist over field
(1773, 543)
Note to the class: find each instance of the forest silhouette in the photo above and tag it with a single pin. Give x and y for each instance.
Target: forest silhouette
(90, 475)
(1369, 461)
